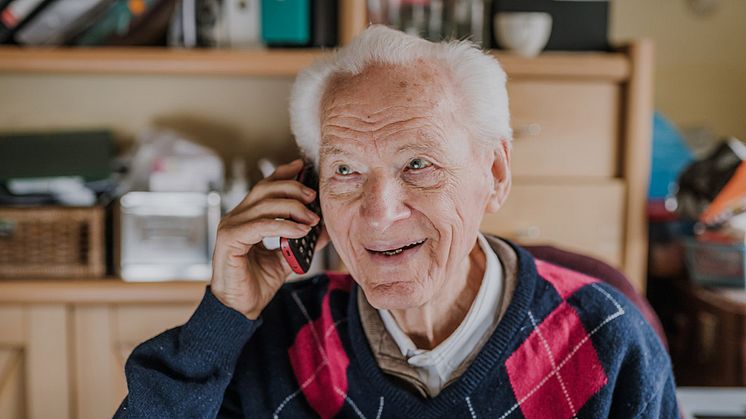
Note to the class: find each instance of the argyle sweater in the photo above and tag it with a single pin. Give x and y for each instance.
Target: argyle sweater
(567, 346)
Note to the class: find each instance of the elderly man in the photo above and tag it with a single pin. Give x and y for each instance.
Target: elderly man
(411, 141)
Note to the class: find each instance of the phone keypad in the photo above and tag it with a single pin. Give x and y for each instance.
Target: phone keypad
(304, 247)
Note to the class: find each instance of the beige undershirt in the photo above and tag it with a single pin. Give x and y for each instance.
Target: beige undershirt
(388, 354)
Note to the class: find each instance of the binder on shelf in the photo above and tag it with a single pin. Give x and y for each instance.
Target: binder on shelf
(149, 27)
(286, 23)
(130, 23)
(189, 22)
(55, 24)
(324, 23)
(108, 24)
(209, 22)
(197, 23)
(17, 14)
(215, 23)
(241, 23)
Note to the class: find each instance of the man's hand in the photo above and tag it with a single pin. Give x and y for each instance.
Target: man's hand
(245, 275)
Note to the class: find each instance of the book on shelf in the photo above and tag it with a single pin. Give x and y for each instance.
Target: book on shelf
(18, 13)
(241, 20)
(141, 22)
(324, 17)
(61, 21)
(176, 23)
(216, 23)
(196, 23)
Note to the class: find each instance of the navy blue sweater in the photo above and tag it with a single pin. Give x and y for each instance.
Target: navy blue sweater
(567, 346)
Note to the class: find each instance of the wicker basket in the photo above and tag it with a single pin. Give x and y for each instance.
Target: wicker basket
(51, 242)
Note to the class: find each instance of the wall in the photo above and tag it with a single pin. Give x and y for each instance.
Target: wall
(700, 71)
(246, 116)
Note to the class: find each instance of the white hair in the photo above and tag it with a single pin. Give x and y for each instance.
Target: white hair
(479, 78)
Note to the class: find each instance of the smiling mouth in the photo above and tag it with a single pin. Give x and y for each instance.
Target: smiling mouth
(394, 252)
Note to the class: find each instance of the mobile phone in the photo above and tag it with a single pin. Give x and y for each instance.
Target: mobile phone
(299, 252)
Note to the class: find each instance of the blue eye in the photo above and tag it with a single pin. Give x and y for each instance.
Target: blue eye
(418, 163)
(343, 170)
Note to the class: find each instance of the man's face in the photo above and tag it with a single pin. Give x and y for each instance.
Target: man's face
(403, 187)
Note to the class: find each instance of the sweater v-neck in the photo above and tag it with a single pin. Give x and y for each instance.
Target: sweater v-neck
(490, 357)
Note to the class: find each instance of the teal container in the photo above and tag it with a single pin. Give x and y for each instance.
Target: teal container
(286, 22)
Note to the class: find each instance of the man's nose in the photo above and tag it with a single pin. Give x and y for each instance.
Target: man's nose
(383, 202)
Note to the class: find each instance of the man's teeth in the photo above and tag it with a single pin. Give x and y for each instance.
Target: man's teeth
(401, 249)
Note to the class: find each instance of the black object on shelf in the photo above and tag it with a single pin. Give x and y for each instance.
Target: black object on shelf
(576, 25)
(87, 154)
(324, 23)
(703, 180)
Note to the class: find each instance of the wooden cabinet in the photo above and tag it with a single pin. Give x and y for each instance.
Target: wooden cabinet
(706, 330)
(104, 336)
(565, 127)
(63, 344)
(581, 155)
(587, 217)
(34, 355)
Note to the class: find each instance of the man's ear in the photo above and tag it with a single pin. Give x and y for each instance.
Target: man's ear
(501, 176)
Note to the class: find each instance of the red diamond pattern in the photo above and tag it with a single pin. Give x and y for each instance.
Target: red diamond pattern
(556, 370)
(565, 281)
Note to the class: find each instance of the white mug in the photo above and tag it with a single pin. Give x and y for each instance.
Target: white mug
(525, 33)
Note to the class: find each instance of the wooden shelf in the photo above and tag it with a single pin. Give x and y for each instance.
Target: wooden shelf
(216, 62)
(267, 62)
(98, 291)
(613, 66)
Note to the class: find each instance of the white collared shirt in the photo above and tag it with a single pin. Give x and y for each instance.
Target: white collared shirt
(436, 366)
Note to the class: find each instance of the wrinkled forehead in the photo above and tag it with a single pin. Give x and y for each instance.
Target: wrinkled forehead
(418, 85)
(386, 98)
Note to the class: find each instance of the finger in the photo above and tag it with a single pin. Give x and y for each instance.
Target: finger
(278, 208)
(287, 171)
(277, 189)
(238, 239)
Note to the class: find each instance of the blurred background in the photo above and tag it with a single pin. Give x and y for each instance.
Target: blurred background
(128, 127)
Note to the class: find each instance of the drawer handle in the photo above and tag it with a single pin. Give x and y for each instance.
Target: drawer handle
(528, 233)
(532, 129)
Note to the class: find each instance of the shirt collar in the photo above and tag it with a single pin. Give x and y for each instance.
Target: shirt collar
(438, 363)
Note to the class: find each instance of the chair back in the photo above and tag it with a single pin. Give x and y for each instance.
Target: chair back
(600, 270)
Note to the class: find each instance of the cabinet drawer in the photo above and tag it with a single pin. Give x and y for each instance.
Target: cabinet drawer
(136, 323)
(12, 324)
(564, 128)
(586, 218)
